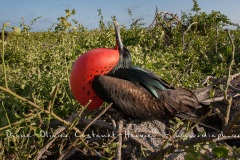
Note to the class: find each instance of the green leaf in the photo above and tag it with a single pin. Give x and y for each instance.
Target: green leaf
(189, 156)
(113, 145)
(108, 150)
(221, 151)
(212, 144)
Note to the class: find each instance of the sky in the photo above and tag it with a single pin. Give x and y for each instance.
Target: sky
(11, 11)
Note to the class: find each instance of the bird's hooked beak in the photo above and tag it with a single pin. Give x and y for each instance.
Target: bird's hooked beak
(119, 44)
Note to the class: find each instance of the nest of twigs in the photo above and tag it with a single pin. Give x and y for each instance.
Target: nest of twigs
(107, 133)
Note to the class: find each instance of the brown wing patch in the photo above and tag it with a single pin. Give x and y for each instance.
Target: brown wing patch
(132, 99)
(136, 101)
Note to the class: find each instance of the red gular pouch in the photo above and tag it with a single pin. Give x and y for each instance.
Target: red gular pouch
(94, 62)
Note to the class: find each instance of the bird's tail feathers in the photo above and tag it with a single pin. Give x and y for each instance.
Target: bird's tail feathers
(203, 93)
(179, 101)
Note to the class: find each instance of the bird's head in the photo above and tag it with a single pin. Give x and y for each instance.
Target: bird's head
(99, 61)
(125, 60)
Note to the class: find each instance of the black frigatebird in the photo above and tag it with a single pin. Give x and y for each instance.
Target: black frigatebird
(105, 74)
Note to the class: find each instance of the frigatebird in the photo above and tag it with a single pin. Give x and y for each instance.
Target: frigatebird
(105, 74)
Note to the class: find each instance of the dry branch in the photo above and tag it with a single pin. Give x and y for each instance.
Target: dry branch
(226, 97)
(119, 140)
(185, 32)
(57, 132)
(76, 140)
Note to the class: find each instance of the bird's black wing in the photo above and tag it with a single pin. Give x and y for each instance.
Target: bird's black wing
(135, 100)
(145, 78)
(128, 97)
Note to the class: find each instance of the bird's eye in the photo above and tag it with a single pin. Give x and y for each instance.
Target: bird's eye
(125, 51)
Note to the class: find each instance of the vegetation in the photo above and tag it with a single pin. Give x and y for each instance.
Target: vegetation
(35, 69)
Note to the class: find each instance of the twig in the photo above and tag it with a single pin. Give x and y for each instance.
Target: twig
(53, 96)
(199, 121)
(3, 61)
(142, 142)
(18, 122)
(228, 110)
(217, 99)
(216, 136)
(229, 100)
(171, 138)
(155, 18)
(217, 37)
(220, 115)
(57, 132)
(218, 80)
(119, 139)
(189, 27)
(234, 89)
(207, 79)
(76, 140)
(100, 123)
(175, 17)
(6, 115)
(185, 32)
(113, 123)
(134, 139)
(172, 15)
(235, 75)
(98, 116)
(45, 111)
(51, 103)
(45, 148)
(38, 107)
(23, 99)
(74, 150)
(233, 122)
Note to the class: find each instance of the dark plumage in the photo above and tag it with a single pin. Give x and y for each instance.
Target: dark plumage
(141, 93)
(135, 100)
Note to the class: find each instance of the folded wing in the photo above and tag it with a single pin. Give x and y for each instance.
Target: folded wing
(135, 99)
